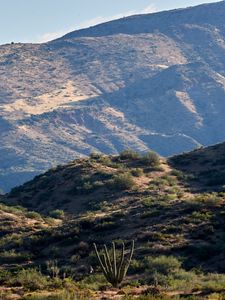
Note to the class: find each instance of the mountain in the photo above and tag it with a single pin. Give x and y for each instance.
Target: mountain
(147, 81)
(173, 209)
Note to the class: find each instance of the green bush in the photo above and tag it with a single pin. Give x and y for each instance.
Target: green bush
(123, 181)
(164, 265)
(4, 276)
(30, 279)
(33, 215)
(94, 281)
(151, 159)
(129, 155)
(66, 294)
(138, 172)
(57, 214)
(96, 155)
(162, 270)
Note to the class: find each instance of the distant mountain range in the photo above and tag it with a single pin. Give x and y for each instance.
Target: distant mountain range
(146, 81)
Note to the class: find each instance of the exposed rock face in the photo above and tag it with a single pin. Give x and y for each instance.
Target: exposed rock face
(147, 81)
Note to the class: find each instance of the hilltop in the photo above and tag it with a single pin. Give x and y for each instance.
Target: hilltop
(172, 208)
(144, 82)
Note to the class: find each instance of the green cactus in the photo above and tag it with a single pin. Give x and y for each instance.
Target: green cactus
(114, 271)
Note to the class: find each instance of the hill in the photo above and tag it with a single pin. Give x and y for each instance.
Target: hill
(147, 81)
(169, 207)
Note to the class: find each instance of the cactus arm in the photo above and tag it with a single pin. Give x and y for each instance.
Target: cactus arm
(108, 259)
(100, 261)
(114, 261)
(131, 252)
(129, 259)
(105, 263)
(121, 262)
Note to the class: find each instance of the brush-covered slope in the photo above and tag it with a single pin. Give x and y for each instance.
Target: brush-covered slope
(146, 81)
(169, 207)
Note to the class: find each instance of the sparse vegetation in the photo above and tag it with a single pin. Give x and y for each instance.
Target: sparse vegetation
(178, 233)
(31, 280)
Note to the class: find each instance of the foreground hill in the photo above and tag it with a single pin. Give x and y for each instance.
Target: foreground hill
(173, 209)
(147, 81)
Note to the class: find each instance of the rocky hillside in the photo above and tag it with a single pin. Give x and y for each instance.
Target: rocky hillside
(173, 209)
(147, 81)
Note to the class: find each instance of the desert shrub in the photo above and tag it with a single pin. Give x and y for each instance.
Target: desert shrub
(129, 155)
(179, 174)
(136, 267)
(95, 155)
(208, 200)
(105, 160)
(107, 225)
(171, 181)
(57, 214)
(13, 257)
(5, 276)
(203, 216)
(151, 159)
(161, 268)
(94, 282)
(75, 258)
(151, 214)
(123, 181)
(15, 240)
(82, 185)
(150, 296)
(213, 283)
(12, 209)
(33, 215)
(74, 294)
(138, 172)
(66, 294)
(148, 201)
(163, 264)
(30, 279)
(157, 184)
(167, 197)
(98, 184)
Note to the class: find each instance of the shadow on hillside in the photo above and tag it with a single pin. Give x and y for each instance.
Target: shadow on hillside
(202, 169)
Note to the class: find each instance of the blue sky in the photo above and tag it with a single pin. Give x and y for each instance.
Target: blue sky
(43, 20)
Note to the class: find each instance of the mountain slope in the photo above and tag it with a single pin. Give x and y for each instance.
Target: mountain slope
(147, 81)
(166, 206)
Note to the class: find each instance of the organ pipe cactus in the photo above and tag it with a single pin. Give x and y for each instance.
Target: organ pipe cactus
(113, 270)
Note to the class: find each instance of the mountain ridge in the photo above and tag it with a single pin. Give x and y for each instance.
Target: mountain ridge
(170, 13)
(161, 90)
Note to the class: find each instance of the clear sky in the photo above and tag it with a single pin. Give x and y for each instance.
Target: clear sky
(43, 20)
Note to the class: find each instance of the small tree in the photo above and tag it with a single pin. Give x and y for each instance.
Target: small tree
(114, 271)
